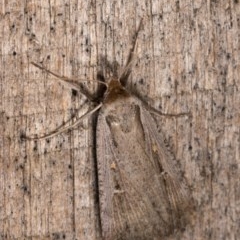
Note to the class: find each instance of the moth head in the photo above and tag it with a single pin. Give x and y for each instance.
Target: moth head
(115, 91)
(114, 84)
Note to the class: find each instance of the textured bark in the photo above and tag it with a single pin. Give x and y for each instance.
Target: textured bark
(188, 60)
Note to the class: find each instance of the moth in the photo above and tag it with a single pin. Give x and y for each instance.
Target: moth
(141, 193)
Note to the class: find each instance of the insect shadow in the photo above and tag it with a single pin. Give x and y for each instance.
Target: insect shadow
(141, 192)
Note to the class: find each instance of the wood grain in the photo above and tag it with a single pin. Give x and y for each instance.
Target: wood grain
(188, 60)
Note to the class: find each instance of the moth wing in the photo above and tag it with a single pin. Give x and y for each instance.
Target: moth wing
(127, 197)
(177, 190)
(139, 189)
(104, 179)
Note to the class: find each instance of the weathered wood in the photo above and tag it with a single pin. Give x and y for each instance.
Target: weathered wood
(188, 60)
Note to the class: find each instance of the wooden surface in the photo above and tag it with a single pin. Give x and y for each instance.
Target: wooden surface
(188, 60)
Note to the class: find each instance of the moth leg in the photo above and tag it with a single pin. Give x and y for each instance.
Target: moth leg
(159, 113)
(131, 57)
(64, 127)
(65, 80)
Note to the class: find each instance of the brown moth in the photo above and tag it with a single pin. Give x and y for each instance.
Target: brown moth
(141, 194)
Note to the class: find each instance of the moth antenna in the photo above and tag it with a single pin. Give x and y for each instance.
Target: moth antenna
(67, 80)
(131, 57)
(64, 127)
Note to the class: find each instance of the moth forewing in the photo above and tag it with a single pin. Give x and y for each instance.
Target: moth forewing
(139, 190)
